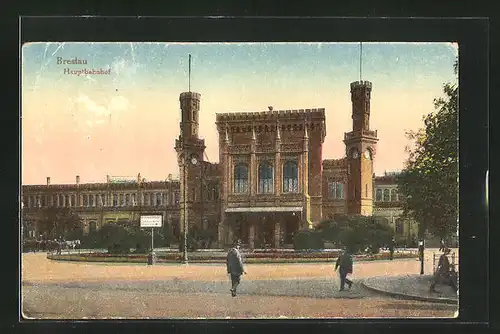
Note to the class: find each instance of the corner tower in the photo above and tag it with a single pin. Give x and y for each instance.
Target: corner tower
(360, 150)
(190, 152)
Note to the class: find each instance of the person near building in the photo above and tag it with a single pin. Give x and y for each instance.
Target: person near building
(392, 245)
(344, 264)
(235, 269)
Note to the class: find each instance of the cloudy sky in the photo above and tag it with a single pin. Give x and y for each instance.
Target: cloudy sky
(125, 122)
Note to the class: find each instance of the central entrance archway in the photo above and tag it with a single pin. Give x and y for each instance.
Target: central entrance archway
(264, 227)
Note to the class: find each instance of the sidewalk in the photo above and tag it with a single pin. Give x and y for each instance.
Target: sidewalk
(414, 287)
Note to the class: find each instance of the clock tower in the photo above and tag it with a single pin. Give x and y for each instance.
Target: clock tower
(360, 150)
(190, 152)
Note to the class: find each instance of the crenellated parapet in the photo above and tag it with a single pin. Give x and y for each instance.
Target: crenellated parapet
(263, 116)
(334, 163)
(291, 123)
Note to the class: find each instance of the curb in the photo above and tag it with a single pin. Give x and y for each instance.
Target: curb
(411, 297)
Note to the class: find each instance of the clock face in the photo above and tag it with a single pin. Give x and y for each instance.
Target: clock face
(367, 154)
(355, 154)
(194, 161)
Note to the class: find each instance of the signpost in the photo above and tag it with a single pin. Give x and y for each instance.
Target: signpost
(151, 221)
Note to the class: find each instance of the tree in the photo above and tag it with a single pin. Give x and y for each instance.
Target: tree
(57, 222)
(429, 181)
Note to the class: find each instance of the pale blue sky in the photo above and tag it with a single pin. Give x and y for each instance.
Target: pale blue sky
(147, 78)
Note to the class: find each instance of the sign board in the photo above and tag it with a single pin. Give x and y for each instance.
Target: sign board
(151, 221)
(122, 179)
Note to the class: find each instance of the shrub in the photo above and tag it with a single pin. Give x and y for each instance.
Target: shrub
(308, 240)
(357, 233)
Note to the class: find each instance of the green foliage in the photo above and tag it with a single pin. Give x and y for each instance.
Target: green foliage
(429, 182)
(308, 240)
(58, 222)
(357, 232)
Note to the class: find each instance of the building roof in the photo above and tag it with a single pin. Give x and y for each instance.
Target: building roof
(297, 114)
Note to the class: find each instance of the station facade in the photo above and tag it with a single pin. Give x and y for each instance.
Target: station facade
(271, 180)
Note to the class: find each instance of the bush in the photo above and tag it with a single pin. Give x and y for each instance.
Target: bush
(357, 233)
(308, 240)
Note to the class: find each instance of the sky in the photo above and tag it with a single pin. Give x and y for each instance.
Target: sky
(124, 120)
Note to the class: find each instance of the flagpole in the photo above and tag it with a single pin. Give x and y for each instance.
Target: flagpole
(189, 74)
(360, 60)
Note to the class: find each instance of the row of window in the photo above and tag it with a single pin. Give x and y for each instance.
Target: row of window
(266, 178)
(93, 200)
(386, 195)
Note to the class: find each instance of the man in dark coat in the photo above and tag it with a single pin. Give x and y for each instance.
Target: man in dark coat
(344, 263)
(392, 245)
(235, 268)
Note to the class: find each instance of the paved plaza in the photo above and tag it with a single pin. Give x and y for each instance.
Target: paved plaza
(76, 290)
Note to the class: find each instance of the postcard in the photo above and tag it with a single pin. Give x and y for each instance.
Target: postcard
(239, 180)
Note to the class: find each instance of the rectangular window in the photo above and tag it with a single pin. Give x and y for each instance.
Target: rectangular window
(336, 190)
(340, 190)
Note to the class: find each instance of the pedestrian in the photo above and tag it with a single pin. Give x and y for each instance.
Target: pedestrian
(235, 267)
(443, 273)
(344, 263)
(391, 248)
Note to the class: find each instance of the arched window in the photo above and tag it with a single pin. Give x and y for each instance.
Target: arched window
(394, 195)
(387, 195)
(127, 199)
(265, 178)
(379, 195)
(115, 200)
(146, 199)
(134, 202)
(240, 178)
(290, 177)
(68, 203)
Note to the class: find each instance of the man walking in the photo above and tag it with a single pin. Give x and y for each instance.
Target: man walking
(235, 268)
(392, 245)
(344, 263)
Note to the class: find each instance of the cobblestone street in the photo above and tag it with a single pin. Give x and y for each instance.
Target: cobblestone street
(57, 290)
